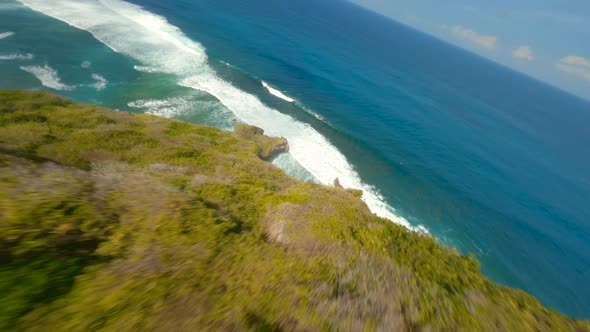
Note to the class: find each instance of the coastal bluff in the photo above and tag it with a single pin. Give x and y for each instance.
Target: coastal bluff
(267, 147)
(130, 222)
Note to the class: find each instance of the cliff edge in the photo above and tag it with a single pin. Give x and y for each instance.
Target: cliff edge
(120, 222)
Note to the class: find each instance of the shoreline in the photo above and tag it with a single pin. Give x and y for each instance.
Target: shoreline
(190, 65)
(173, 202)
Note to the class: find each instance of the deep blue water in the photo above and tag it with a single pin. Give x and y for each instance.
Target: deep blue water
(488, 160)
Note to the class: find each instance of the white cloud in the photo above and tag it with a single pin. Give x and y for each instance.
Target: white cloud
(523, 52)
(575, 65)
(576, 61)
(487, 41)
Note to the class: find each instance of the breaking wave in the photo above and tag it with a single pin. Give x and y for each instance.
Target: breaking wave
(48, 77)
(162, 47)
(6, 34)
(101, 82)
(277, 93)
(28, 56)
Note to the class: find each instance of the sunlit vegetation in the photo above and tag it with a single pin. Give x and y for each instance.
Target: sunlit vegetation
(119, 222)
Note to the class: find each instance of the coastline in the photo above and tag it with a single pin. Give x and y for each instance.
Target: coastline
(426, 150)
(173, 203)
(187, 59)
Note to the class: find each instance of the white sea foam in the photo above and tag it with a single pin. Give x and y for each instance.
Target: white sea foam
(286, 162)
(86, 64)
(101, 82)
(151, 40)
(28, 56)
(312, 150)
(146, 69)
(211, 111)
(6, 34)
(277, 93)
(48, 77)
(168, 108)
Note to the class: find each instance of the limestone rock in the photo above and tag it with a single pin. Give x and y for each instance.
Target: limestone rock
(268, 147)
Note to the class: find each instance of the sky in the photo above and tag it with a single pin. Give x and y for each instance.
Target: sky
(546, 39)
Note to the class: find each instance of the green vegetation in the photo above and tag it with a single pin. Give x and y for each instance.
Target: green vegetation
(117, 222)
(266, 147)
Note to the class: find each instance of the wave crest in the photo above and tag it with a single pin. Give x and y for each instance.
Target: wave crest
(27, 56)
(6, 34)
(277, 93)
(168, 108)
(101, 82)
(48, 77)
(146, 69)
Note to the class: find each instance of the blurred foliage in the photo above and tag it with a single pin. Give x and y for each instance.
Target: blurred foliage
(119, 222)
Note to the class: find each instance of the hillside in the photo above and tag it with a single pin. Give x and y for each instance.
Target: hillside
(119, 222)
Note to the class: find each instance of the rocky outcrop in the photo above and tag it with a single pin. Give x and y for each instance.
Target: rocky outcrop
(247, 132)
(280, 146)
(268, 147)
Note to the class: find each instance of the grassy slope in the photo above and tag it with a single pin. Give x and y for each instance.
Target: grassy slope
(133, 222)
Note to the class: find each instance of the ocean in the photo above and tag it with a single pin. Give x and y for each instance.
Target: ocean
(444, 142)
